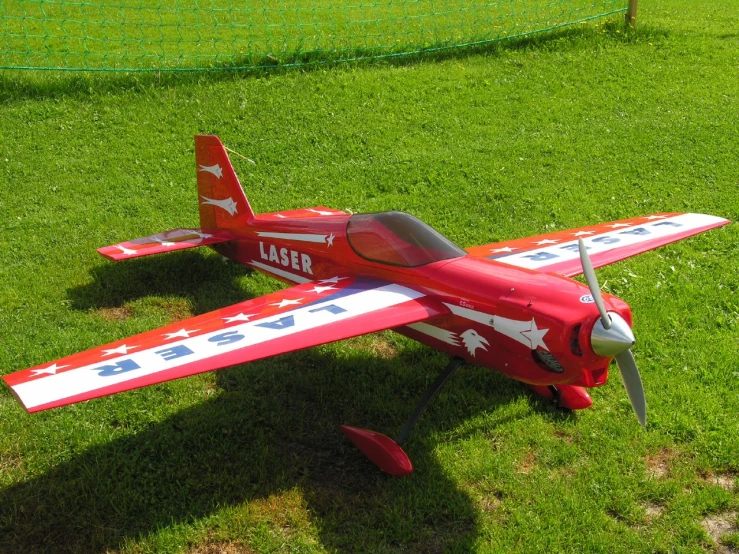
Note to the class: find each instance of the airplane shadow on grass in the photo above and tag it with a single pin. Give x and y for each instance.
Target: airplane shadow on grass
(207, 282)
(269, 427)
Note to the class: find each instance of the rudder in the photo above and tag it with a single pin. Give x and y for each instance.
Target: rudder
(221, 199)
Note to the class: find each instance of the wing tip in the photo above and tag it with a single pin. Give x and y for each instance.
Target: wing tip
(19, 399)
(105, 254)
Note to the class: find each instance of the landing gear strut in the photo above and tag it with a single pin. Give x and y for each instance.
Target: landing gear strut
(428, 396)
(386, 453)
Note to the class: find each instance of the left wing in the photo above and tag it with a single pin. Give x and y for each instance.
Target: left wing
(299, 317)
(606, 243)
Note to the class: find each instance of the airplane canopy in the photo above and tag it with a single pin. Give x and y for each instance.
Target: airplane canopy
(397, 238)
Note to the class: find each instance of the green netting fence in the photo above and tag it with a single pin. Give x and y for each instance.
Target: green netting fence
(168, 35)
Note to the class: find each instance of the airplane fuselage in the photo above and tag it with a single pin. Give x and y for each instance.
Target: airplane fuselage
(534, 327)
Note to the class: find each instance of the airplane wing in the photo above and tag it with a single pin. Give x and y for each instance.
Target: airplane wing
(176, 239)
(295, 318)
(606, 243)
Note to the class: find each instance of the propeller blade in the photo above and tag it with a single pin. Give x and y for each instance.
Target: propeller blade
(592, 280)
(632, 381)
(625, 359)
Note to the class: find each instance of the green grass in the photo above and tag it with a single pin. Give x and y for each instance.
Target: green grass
(150, 35)
(580, 127)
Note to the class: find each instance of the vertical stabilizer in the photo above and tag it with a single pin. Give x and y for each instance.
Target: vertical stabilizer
(223, 203)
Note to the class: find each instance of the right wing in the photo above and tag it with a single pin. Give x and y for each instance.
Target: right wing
(606, 243)
(295, 318)
(176, 239)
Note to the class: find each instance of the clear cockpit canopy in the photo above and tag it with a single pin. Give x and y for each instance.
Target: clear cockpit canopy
(397, 238)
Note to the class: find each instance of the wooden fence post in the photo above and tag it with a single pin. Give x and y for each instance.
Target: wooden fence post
(631, 14)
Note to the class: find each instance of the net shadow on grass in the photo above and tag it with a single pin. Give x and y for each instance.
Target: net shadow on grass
(24, 85)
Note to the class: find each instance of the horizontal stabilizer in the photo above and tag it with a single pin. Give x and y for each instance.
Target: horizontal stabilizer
(176, 239)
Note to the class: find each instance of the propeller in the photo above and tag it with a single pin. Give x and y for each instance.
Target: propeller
(612, 336)
(593, 285)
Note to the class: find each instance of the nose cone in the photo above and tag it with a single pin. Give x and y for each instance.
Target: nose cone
(613, 341)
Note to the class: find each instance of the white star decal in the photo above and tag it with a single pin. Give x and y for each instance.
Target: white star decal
(238, 317)
(51, 370)
(319, 290)
(227, 204)
(330, 239)
(286, 302)
(656, 217)
(213, 170)
(617, 225)
(547, 241)
(583, 233)
(535, 336)
(122, 349)
(126, 251)
(504, 249)
(183, 333)
(332, 280)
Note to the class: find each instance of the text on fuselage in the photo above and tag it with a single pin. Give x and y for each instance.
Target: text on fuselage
(286, 257)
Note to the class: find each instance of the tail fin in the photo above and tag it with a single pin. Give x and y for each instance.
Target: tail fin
(223, 203)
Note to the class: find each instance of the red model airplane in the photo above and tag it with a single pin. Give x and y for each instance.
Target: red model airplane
(510, 306)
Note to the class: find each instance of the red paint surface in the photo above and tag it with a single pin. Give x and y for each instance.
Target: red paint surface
(383, 451)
